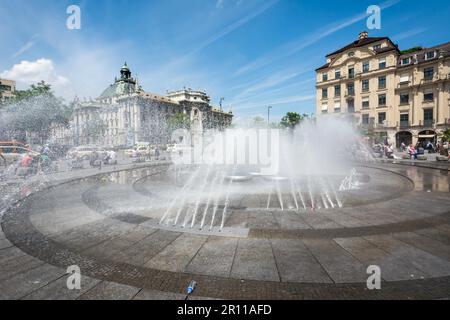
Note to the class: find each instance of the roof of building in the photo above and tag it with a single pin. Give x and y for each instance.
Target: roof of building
(442, 50)
(154, 96)
(359, 43)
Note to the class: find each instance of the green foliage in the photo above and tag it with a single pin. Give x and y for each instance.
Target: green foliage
(259, 122)
(292, 119)
(446, 135)
(178, 120)
(411, 50)
(94, 128)
(34, 110)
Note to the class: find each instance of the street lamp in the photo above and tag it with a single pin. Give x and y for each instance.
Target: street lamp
(268, 115)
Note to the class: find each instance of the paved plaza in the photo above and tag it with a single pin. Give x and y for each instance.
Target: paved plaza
(107, 224)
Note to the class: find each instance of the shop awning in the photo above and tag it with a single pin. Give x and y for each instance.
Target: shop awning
(427, 136)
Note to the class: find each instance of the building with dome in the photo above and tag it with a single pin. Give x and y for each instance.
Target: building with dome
(125, 114)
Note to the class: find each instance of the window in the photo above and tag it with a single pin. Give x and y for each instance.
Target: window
(325, 93)
(337, 91)
(324, 77)
(351, 89)
(428, 117)
(428, 74)
(430, 55)
(377, 47)
(365, 85)
(351, 106)
(404, 98)
(337, 107)
(351, 54)
(5, 88)
(382, 82)
(324, 107)
(381, 117)
(404, 78)
(365, 119)
(351, 73)
(382, 63)
(365, 103)
(405, 61)
(404, 120)
(365, 67)
(428, 96)
(382, 100)
(337, 74)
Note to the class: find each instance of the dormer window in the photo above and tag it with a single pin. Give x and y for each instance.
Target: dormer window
(430, 55)
(377, 47)
(406, 61)
(351, 54)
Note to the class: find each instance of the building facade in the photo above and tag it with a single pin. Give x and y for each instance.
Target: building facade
(401, 96)
(125, 114)
(7, 89)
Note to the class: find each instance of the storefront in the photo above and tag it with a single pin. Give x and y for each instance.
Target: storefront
(425, 136)
(404, 136)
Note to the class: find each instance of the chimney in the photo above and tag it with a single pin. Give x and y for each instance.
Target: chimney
(363, 35)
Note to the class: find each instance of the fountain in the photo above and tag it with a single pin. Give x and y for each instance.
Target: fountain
(308, 171)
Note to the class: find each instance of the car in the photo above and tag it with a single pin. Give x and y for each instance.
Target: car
(85, 152)
(140, 151)
(14, 153)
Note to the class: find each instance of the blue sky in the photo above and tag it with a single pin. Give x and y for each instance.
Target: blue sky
(254, 53)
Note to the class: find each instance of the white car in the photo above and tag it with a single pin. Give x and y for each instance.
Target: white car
(85, 152)
(142, 151)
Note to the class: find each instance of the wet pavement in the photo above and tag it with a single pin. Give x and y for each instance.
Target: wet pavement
(107, 226)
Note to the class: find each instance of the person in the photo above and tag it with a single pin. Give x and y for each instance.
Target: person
(429, 147)
(45, 162)
(26, 161)
(3, 158)
(412, 152)
(389, 151)
(157, 153)
(403, 147)
(94, 158)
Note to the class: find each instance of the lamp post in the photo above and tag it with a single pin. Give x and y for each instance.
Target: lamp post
(268, 115)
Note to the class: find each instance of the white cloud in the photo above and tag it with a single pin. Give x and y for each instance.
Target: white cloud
(29, 72)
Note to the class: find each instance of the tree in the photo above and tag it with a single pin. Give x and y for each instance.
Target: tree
(94, 128)
(178, 120)
(292, 119)
(259, 122)
(33, 111)
(446, 135)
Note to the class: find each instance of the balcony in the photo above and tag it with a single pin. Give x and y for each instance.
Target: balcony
(428, 123)
(404, 124)
(383, 125)
(350, 93)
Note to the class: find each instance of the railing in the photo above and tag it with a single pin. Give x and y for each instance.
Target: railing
(428, 123)
(350, 93)
(404, 124)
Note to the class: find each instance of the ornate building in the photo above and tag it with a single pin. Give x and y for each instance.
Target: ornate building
(125, 114)
(404, 96)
